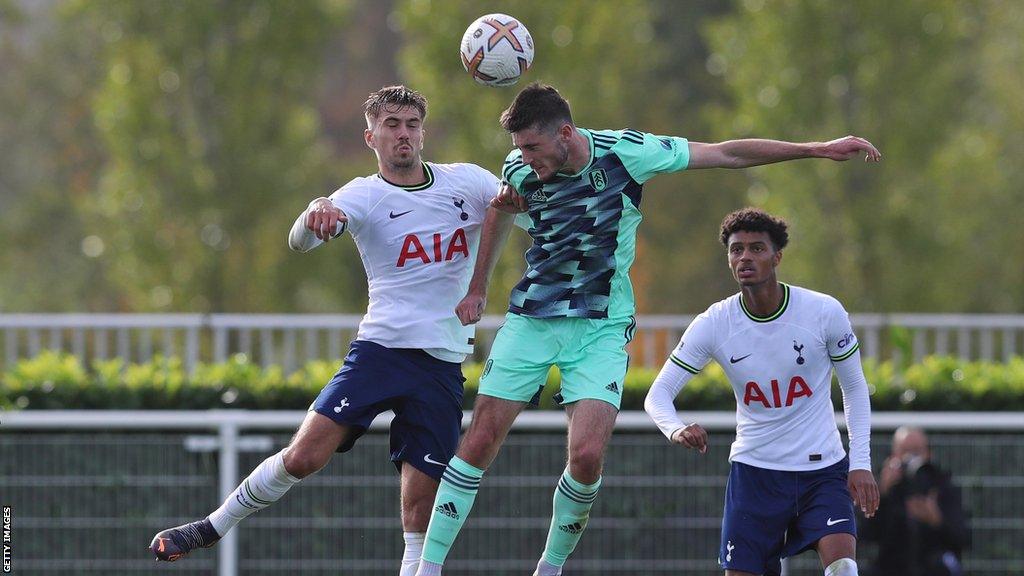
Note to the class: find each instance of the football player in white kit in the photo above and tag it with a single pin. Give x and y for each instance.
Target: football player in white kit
(791, 485)
(416, 225)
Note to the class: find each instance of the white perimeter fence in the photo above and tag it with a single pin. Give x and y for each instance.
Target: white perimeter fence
(290, 340)
(88, 489)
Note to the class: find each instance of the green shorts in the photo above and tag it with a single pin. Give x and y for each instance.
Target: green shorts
(590, 354)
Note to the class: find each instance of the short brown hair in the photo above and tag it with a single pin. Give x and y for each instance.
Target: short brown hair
(755, 220)
(391, 98)
(537, 106)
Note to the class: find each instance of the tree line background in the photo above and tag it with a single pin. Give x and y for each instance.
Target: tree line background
(153, 155)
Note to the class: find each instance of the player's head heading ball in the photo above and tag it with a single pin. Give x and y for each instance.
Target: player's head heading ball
(541, 127)
(391, 99)
(755, 220)
(537, 107)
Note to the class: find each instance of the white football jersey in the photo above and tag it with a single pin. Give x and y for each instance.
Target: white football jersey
(418, 245)
(780, 368)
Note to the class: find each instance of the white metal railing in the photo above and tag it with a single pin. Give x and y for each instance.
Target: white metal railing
(229, 441)
(290, 340)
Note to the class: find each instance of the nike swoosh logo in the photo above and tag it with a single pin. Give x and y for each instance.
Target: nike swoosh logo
(393, 215)
(831, 522)
(430, 460)
(733, 359)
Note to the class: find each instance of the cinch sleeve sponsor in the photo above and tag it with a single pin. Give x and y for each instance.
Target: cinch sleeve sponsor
(839, 337)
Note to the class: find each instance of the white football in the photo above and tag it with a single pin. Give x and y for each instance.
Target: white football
(496, 50)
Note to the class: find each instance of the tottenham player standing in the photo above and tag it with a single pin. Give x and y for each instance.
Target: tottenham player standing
(416, 225)
(791, 482)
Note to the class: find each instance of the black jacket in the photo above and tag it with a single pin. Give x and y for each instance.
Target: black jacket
(907, 547)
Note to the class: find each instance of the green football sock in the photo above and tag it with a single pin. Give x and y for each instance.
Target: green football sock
(454, 500)
(572, 505)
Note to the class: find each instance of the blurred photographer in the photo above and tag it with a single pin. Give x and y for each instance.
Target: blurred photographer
(920, 527)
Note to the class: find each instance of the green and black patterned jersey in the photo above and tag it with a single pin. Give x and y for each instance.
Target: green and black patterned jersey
(584, 225)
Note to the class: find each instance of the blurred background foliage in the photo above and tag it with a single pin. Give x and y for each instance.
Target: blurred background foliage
(154, 154)
(54, 381)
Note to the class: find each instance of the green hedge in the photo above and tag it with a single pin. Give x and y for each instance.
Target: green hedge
(55, 381)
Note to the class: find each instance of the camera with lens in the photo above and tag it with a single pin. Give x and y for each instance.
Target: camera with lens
(918, 475)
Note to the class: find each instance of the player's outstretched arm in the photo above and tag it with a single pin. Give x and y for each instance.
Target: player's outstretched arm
(756, 152)
(319, 222)
(493, 235)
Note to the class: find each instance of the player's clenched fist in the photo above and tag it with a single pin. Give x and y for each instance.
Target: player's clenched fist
(471, 308)
(692, 436)
(509, 201)
(325, 219)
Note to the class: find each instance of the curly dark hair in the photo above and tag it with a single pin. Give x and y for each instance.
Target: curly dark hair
(391, 98)
(537, 106)
(755, 220)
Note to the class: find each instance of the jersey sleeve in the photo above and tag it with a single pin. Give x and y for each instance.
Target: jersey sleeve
(354, 201)
(523, 220)
(646, 155)
(660, 400)
(689, 358)
(486, 187)
(839, 337)
(695, 348)
(843, 349)
(514, 171)
(857, 410)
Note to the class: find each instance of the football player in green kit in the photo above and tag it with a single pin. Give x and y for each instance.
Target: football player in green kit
(579, 193)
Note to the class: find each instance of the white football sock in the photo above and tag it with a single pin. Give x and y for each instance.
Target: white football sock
(428, 568)
(268, 482)
(413, 550)
(842, 567)
(546, 569)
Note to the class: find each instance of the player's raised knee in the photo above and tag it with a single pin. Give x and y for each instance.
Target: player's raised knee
(585, 462)
(481, 443)
(476, 448)
(301, 462)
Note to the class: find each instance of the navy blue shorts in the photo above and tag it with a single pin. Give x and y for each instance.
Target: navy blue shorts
(425, 394)
(775, 514)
